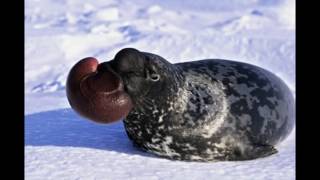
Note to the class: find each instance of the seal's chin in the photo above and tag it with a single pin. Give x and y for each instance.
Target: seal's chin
(96, 92)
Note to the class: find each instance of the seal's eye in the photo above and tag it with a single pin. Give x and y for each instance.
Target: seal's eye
(154, 77)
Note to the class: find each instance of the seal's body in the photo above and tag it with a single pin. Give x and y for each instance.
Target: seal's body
(207, 110)
(213, 110)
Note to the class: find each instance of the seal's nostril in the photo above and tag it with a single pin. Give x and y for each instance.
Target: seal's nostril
(102, 67)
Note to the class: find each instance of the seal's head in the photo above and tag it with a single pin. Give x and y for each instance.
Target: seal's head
(144, 75)
(107, 92)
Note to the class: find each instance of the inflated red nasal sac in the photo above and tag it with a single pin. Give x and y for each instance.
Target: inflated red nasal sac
(95, 94)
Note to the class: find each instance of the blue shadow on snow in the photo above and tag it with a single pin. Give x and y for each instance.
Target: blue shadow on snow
(65, 128)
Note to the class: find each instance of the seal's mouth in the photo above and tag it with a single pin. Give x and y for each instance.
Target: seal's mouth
(96, 91)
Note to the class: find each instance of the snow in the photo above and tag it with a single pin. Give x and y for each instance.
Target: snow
(61, 145)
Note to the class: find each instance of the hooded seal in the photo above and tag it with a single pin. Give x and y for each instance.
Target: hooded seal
(206, 110)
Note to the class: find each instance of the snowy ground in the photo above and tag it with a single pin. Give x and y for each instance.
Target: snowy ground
(61, 145)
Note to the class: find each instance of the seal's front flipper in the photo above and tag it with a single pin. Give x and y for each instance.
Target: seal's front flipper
(253, 152)
(260, 151)
(250, 152)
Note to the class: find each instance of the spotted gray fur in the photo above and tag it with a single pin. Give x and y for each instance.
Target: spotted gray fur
(212, 110)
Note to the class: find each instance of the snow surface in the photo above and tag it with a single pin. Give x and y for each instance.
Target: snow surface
(61, 145)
